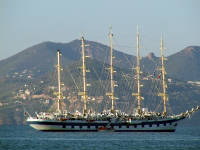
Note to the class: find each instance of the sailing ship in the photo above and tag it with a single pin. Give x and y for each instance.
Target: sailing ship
(110, 120)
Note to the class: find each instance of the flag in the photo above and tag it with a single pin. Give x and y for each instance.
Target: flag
(159, 75)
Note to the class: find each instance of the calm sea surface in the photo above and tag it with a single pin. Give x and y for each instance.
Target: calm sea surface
(26, 138)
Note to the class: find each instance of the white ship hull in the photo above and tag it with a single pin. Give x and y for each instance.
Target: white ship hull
(61, 128)
(168, 125)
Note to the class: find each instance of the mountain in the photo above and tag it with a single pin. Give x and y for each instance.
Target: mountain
(19, 94)
(184, 65)
(28, 79)
(40, 58)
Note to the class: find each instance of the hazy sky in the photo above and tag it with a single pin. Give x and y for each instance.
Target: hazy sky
(25, 23)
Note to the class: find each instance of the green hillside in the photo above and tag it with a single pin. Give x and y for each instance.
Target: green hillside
(35, 95)
(28, 80)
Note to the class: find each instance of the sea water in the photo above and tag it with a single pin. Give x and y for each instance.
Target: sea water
(25, 138)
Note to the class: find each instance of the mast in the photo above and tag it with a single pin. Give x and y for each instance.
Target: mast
(164, 85)
(138, 94)
(112, 82)
(59, 95)
(84, 93)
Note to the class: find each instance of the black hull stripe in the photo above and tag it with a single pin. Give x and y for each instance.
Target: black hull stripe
(108, 131)
(69, 130)
(145, 130)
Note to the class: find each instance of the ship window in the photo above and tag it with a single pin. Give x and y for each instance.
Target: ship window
(135, 126)
(88, 127)
(81, 127)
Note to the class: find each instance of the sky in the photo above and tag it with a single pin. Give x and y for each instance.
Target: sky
(25, 23)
